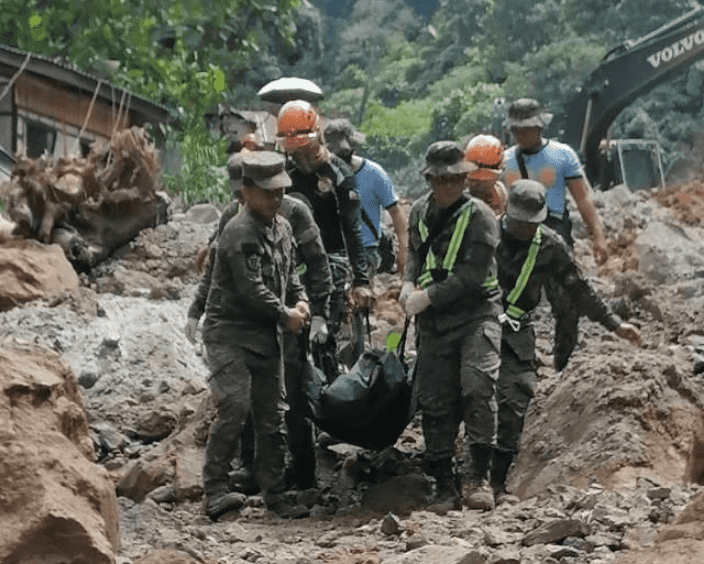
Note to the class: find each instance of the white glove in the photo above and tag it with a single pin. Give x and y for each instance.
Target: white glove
(191, 328)
(406, 290)
(417, 302)
(318, 329)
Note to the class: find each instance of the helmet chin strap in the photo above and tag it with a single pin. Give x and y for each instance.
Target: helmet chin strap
(308, 164)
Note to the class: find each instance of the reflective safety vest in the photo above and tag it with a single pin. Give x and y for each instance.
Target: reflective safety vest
(431, 261)
(514, 313)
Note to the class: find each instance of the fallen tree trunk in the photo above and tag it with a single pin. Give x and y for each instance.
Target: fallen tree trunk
(89, 206)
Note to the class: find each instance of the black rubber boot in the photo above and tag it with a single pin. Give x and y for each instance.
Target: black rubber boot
(500, 465)
(446, 498)
(243, 479)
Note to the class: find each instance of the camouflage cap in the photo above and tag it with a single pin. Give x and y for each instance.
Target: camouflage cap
(446, 157)
(526, 112)
(342, 127)
(265, 169)
(526, 201)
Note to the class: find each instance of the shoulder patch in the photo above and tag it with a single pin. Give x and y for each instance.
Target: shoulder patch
(252, 256)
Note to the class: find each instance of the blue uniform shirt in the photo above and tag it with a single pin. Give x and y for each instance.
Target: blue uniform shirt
(552, 165)
(377, 191)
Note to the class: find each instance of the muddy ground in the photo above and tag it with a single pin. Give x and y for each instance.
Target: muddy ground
(613, 443)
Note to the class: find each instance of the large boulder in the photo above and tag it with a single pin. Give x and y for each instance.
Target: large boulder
(177, 461)
(56, 505)
(30, 270)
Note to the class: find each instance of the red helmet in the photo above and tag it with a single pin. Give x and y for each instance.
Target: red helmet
(487, 152)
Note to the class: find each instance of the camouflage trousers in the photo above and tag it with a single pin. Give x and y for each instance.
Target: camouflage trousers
(242, 381)
(299, 430)
(516, 386)
(455, 379)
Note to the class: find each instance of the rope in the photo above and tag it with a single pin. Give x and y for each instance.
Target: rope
(16, 76)
(90, 111)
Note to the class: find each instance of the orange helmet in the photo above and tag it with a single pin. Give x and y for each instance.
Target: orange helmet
(297, 116)
(487, 152)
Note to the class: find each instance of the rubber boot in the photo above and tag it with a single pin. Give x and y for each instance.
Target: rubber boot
(476, 493)
(500, 465)
(446, 498)
(243, 479)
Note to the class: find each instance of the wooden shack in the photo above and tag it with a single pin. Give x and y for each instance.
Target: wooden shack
(50, 105)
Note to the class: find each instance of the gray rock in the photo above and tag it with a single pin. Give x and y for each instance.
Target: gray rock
(554, 531)
(659, 493)
(109, 437)
(202, 213)
(87, 379)
(390, 525)
(415, 541)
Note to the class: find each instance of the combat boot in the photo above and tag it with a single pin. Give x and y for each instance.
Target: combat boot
(446, 498)
(500, 465)
(476, 491)
(217, 504)
(277, 503)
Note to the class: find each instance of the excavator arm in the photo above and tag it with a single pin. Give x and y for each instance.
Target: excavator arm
(628, 71)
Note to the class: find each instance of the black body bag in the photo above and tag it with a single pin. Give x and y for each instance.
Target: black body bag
(370, 405)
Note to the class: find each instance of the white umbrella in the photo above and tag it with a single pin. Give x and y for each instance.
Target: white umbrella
(288, 88)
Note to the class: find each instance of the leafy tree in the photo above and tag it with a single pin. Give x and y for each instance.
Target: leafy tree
(182, 53)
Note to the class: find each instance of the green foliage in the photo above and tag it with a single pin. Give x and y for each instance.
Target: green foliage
(465, 111)
(181, 53)
(342, 103)
(408, 119)
(198, 179)
(553, 73)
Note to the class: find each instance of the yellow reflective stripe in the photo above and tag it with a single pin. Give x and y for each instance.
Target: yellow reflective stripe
(301, 269)
(526, 271)
(514, 311)
(431, 260)
(457, 235)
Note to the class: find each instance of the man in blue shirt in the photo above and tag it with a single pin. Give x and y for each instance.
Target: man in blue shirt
(376, 190)
(557, 167)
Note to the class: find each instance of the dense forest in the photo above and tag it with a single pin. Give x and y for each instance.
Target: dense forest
(405, 72)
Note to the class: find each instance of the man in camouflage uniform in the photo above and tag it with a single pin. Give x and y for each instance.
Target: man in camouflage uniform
(450, 283)
(327, 185)
(254, 282)
(529, 255)
(315, 275)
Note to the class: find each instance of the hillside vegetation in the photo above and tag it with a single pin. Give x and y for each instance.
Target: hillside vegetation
(405, 72)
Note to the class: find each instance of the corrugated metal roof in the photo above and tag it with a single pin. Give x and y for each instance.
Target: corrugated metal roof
(68, 73)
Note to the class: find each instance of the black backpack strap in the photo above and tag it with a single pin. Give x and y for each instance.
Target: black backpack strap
(368, 220)
(521, 163)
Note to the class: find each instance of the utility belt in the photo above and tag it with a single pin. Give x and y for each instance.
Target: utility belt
(561, 223)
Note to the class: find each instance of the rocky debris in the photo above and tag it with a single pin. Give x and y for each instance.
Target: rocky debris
(56, 504)
(89, 206)
(167, 557)
(568, 525)
(30, 270)
(611, 453)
